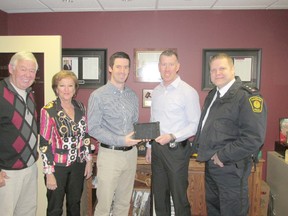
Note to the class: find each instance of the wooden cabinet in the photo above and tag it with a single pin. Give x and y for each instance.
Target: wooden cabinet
(196, 189)
(255, 180)
(277, 179)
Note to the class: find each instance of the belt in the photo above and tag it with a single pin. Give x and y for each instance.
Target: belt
(174, 145)
(121, 148)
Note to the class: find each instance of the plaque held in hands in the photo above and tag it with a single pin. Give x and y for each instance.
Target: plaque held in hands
(149, 130)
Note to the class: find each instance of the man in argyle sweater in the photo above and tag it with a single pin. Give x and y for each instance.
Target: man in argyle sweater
(18, 138)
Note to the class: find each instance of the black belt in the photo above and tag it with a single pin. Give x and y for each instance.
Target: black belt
(121, 148)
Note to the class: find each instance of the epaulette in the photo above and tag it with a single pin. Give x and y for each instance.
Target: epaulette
(250, 89)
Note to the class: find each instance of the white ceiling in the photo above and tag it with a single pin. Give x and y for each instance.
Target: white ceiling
(33, 6)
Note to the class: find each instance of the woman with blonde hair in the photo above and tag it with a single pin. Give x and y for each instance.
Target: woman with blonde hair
(65, 146)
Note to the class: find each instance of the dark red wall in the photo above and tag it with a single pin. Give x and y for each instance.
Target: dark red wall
(188, 31)
(3, 23)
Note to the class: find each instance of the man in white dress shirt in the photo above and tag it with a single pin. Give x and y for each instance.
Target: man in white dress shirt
(175, 104)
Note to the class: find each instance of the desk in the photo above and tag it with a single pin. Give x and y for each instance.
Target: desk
(196, 188)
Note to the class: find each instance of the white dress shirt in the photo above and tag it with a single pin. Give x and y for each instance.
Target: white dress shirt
(177, 108)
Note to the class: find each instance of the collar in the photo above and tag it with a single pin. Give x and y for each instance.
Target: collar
(174, 84)
(59, 107)
(20, 91)
(224, 89)
(113, 88)
(11, 87)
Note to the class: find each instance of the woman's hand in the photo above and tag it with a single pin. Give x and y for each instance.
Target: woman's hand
(51, 183)
(88, 169)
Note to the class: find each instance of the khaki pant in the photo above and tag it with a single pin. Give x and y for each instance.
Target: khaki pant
(116, 174)
(19, 196)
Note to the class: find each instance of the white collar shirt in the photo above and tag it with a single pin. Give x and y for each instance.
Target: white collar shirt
(177, 108)
(222, 92)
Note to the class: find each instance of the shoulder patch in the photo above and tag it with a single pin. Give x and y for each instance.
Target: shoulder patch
(256, 103)
(49, 105)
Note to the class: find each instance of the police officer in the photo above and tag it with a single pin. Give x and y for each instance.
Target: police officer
(231, 131)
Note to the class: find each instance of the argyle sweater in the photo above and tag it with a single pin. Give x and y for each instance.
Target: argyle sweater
(18, 128)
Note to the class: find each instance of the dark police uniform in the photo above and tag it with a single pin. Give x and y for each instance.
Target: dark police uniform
(235, 130)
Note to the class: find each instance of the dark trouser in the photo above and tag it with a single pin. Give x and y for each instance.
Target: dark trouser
(227, 189)
(70, 182)
(170, 176)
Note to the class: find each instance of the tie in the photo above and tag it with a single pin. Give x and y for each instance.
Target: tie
(210, 106)
(218, 95)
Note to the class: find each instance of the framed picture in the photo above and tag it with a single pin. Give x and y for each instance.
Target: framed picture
(147, 97)
(146, 64)
(89, 65)
(247, 63)
(283, 130)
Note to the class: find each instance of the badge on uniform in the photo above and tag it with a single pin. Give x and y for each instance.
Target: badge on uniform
(256, 103)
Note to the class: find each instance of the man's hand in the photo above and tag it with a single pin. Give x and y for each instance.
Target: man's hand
(148, 155)
(164, 139)
(129, 141)
(216, 160)
(3, 176)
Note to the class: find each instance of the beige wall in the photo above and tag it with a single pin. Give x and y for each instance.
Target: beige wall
(51, 46)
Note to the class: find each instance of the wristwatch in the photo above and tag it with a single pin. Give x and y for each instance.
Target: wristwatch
(173, 138)
(172, 144)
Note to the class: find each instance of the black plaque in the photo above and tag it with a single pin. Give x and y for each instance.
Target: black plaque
(149, 130)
